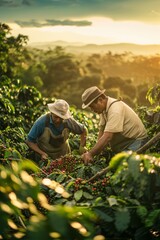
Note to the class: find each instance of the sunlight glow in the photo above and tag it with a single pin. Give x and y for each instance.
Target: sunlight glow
(102, 31)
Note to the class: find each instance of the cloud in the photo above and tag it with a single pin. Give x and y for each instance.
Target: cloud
(15, 3)
(9, 3)
(53, 22)
(50, 3)
(27, 2)
(133, 10)
(102, 31)
(69, 23)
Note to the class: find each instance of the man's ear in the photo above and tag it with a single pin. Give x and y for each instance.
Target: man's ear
(100, 99)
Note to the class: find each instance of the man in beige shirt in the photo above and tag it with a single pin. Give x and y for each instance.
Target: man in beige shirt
(119, 126)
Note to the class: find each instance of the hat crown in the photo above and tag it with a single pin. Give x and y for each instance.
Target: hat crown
(91, 94)
(60, 108)
(88, 92)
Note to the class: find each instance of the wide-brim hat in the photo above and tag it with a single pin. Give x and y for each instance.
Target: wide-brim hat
(60, 108)
(91, 94)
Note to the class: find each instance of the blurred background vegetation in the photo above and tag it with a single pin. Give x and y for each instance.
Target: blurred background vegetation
(60, 74)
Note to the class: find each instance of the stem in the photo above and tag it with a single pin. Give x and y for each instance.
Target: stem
(152, 141)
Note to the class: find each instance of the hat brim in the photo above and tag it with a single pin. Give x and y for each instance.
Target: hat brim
(52, 110)
(87, 105)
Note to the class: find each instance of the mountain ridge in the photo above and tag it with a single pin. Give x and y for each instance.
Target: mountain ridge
(88, 48)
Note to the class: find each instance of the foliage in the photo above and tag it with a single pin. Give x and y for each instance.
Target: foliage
(49, 70)
(124, 73)
(11, 52)
(151, 116)
(22, 219)
(153, 94)
(53, 200)
(123, 204)
(18, 106)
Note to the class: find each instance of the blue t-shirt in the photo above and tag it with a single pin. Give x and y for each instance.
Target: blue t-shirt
(39, 125)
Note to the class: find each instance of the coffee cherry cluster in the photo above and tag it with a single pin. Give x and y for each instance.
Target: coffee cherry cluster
(100, 187)
(65, 164)
(77, 184)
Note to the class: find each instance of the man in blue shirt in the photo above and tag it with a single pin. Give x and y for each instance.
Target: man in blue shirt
(49, 134)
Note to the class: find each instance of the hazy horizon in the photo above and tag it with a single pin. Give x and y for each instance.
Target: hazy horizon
(90, 48)
(94, 21)
(91, 43)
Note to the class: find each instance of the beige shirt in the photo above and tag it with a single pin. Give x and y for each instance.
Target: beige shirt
(120, 118)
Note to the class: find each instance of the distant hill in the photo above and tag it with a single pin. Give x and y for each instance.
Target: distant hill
(76, 47)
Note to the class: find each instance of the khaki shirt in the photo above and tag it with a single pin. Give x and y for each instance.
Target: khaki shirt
(120, 119)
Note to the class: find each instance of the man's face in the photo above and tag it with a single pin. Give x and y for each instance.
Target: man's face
(97, 106)
(56, 119)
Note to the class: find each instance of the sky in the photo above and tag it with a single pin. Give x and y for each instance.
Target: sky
(84, 21)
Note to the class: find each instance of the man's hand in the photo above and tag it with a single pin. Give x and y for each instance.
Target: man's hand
(87, 158)
(44, 156)
(82, 149)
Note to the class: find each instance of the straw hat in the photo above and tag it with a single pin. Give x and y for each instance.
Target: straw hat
(60, 108)
(90, 94)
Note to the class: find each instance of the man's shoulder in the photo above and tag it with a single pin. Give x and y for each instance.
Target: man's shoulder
(113, 101)
(72, 123)
(69, 121)
(41, 119)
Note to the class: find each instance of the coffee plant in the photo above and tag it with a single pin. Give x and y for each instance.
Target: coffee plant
(121, 204)
(117, 197)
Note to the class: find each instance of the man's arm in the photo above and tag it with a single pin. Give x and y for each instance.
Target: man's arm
(36, 149)
(101, 144)
(83, 137)
(100, 134)
(77, 128)
(98, 147)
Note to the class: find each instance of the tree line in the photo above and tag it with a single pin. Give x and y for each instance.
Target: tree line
(57, 73)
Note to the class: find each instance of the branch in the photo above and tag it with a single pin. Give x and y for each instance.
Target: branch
(140, 150)
(98, 174)
(152, 141)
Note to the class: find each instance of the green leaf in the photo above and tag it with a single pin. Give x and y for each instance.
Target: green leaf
(142, 211)
(87, 195)
(7, 154)
(52, 176)
(78, 195)
(133, 166)
(28, 164)
(60, 178)
(98, 200)
(112, 201)
(122, 219)
(70, 184)
(16, 154)
(81, 172)
(102, 215)
(117, 160)
(152, 218)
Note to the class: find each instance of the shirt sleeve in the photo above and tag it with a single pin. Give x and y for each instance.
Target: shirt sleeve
(74, 126)
(36, 130)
